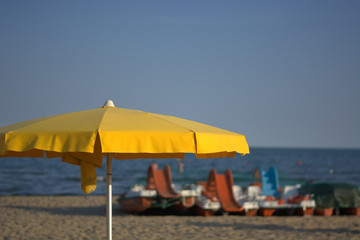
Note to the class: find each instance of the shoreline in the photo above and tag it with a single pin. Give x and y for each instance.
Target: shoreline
(84, 217)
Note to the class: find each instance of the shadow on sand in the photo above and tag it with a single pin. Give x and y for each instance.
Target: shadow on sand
(275, 227)
(72, 211)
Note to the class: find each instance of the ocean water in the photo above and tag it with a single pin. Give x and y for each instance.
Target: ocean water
(33, 176)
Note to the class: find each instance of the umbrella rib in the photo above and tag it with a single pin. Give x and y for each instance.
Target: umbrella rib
(159, 116)
(190, 130)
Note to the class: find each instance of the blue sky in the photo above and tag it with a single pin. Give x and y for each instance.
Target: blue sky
(284, 73)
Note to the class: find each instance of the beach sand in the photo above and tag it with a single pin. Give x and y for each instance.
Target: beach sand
(83, 217)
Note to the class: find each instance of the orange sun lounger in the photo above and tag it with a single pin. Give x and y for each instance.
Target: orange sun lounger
(161, 181)
(220, 186)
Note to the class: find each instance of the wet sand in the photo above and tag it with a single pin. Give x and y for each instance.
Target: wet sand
(83, 217)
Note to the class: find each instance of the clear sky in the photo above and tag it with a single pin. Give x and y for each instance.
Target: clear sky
(283, 73)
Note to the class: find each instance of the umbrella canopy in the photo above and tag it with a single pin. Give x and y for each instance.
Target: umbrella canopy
(83, 138)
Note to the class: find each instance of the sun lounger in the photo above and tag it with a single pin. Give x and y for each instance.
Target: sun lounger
(161, 181)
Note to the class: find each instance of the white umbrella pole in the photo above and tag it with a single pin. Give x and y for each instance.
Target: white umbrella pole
(108, 197)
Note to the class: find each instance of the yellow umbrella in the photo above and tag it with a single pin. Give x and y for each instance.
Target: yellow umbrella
(84, 138)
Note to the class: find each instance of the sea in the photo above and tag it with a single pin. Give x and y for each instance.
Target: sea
(36, 176)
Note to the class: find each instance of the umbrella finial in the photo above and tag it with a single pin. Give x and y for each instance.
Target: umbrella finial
(109, 103)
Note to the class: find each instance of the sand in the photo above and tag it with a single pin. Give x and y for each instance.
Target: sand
(83, 217)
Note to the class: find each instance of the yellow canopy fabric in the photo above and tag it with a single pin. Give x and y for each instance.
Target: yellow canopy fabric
(83, 138)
